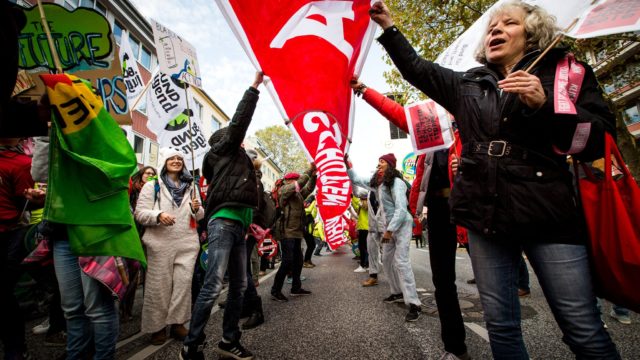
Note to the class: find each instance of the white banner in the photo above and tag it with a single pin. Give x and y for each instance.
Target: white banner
(130, 73)
(177, 57)
(169, 119)
(608, 17)
(429, 126)
(460, 56)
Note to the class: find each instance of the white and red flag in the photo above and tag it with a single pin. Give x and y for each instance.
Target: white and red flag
(310, 50)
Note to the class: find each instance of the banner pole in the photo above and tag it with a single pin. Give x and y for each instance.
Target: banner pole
(553, 44)
(193, 160)
(146, 87)
(47, 30)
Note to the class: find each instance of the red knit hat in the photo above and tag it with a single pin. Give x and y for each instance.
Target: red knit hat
(390, 159)
(291, 176)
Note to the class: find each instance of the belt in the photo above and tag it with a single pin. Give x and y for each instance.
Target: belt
(497, 148)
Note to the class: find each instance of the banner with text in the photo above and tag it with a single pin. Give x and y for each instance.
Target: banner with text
(310, 50)
(169, 119)
(429, 126)
(177, 57)
(130, 71)
(85, 46)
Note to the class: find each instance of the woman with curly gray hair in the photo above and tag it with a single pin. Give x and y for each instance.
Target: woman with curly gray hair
(513, 190)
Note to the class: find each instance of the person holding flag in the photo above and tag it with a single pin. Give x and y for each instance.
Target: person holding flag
(513, 190)
(231, 199)
(432, 180)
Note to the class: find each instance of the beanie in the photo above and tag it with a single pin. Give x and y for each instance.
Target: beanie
(390, 159)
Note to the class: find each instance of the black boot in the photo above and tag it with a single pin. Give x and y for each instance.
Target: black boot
(257, 317)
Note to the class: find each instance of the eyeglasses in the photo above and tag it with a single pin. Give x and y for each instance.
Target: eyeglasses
(149, 173)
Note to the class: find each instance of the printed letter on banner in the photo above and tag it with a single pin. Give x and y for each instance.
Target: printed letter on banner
(429, 126)
(310, 50)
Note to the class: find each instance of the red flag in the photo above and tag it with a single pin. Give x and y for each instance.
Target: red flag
(310, 50)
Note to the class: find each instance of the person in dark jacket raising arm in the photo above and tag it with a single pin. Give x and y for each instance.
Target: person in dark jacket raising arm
(231, 199)
(513, 190)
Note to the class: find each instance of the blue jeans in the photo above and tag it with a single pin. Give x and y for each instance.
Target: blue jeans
(227, 252)
(563, 273)
(89, 308)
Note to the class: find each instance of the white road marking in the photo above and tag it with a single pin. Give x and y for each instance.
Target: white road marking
(482, 332)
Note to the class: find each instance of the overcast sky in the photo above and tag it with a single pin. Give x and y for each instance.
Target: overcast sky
(227, 72)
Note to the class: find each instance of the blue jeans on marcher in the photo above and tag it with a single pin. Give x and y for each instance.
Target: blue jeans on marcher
(227, 252)
(563, 273)
(89, 308)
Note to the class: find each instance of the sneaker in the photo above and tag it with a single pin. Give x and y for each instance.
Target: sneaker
(56, 339)
(192, 353)
(622, 318)
(279, 297)
(394, 298)
(42, 328)
(300, 292)
(524, 293)
(318, 254)
(370, 282)
(233, 350)
(414, 313)
(308, 265)
(360, 269)
(470, 281)
(357, 258)
(256, 319)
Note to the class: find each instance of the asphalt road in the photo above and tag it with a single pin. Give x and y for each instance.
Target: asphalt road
(343, 320)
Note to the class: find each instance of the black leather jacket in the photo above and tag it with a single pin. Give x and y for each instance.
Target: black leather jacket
(523, 189)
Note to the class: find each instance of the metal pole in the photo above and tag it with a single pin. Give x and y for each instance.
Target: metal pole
(193, 160)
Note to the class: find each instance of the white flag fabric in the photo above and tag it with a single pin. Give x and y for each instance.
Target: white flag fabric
(176, 56)
(130, 73)
(168, 118)
(595, 20)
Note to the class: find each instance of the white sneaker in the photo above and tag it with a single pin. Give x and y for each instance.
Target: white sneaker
(622, 318)
(360, 269)
(42, 328)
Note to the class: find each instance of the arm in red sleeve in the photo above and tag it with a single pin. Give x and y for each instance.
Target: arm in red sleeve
(390, 109)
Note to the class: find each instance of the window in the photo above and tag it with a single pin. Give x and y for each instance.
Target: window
(215, 125)
(142, 104)
(631, 115)
(198, 109)
(117, 31)
(145, 58)
(153, 155)
(135, 46)
(87, 3)
(101, 9)
(396, 133)
(70, 4)
(138, 148)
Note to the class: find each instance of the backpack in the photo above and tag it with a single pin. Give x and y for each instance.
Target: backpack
(407, 193)
(278, 208)
(269, 209)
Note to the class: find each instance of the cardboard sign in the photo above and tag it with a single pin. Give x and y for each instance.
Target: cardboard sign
(429, 126)
(177, 57)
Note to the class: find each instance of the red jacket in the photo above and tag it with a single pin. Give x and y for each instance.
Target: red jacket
(15, 178)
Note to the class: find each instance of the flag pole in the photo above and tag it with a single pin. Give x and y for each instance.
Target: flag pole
(47, 30)
(553, 44)
(146, 87)
(193, 160)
